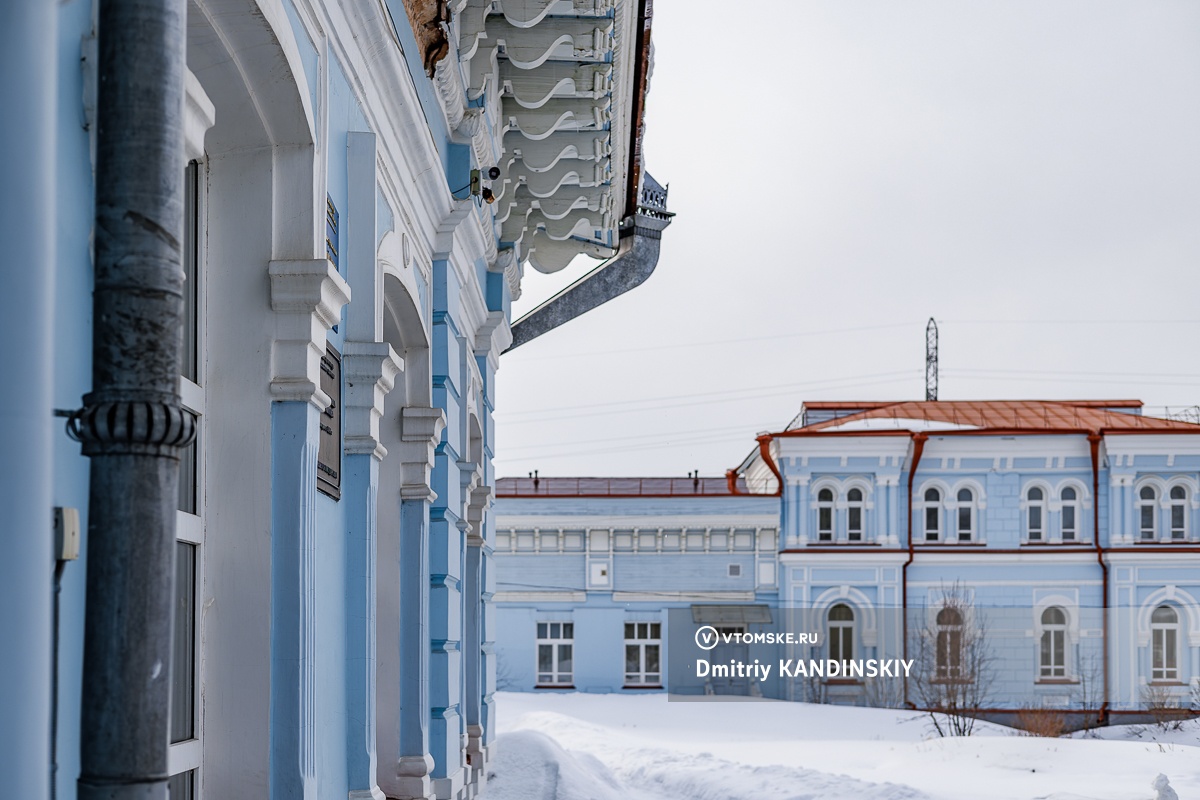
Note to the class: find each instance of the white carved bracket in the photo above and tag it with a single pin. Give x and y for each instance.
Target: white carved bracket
(370, 370)
(443, 241)
(478, 502)
(307, 298)
(420, 431)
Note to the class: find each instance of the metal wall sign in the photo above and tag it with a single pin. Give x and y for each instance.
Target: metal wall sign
(329, 450)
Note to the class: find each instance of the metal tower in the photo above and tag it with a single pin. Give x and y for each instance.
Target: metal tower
(931, 361)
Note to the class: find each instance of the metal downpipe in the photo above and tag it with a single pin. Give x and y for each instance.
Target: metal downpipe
(132, 425)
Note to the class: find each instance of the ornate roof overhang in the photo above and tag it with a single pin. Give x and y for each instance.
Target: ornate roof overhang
(551, 93)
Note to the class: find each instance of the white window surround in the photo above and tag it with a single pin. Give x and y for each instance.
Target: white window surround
(1056, 631)
(554, 653)
(840, 620)
(1165, 635)
(949, 506)
(1155, 519)
(1054, 499)
(643, 654)
(834, 507)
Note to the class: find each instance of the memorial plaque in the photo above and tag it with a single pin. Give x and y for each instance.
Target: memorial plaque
(329, 451)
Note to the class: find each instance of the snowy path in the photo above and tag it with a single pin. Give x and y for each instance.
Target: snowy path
(605, 747)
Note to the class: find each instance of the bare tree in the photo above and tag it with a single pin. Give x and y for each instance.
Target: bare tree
(953, 670)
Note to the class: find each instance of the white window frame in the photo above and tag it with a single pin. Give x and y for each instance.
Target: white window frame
(1050, 668)
(1164, 642)
(644, 635)
(829, 533)
(1145, 504)
(554, 634)
(935, 506)
(1076, 508)
(1178, 533)
(971, 506)
(949, 641)
(841, 631)
(186, 755)
(1038, 505)
(860, 506)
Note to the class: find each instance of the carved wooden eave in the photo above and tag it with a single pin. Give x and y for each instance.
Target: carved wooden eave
(549, 92)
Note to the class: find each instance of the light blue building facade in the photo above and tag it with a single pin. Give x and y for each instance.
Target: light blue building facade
(357, 220)
(1063, 535)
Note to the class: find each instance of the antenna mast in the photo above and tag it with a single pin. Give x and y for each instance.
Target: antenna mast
(931, 360)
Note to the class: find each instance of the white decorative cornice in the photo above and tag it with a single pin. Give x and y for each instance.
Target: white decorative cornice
(478, 502)
(369, 369)
(420, 431)
(307, 298)
(493, 337)
(443, 242)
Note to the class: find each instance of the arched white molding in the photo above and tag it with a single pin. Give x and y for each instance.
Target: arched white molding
(867, 487)
(975, 486)
(863, 608)
(1071, 610)
(833, 484)
(405, 330)
(1179, 599)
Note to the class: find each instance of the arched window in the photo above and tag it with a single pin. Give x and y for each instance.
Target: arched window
(841, 633)
(933, 515)
(1164, 644)
(949, 644)
(1052, 658)
(1035, 513)
(1070, 514)
(854, 515)
(966, 515)
(1178, 496)
(825, 515)
(1147, 512)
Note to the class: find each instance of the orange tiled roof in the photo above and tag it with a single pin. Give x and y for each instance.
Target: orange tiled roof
(1007, 415)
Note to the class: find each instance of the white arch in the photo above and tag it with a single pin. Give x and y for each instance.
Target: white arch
(1178, 599)
(858, 601)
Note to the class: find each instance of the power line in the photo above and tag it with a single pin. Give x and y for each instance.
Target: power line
(752, 390)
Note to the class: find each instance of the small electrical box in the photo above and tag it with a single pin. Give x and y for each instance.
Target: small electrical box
(66, 533)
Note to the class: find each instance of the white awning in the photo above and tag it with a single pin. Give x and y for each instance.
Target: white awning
(732, 615)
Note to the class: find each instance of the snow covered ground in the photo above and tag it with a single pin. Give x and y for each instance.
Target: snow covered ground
(642, 747)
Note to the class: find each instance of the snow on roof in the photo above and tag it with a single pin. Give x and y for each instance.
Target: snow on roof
(866, 423)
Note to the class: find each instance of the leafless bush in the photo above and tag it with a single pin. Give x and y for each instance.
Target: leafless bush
(1042, 721)
(1164, 707)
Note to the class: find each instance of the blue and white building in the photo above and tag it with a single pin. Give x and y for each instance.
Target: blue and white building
(365, 184)
(1067, 530)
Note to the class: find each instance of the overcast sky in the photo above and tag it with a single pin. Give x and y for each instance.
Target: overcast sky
(1027, 173)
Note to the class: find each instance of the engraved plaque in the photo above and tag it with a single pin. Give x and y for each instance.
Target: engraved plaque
(329, 451)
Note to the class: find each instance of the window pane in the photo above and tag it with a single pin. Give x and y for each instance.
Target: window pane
(1045, 657)
(1068, 493)
(931, 523)
(187, 479)
(1147, 493)
(855, 517)
(932, 495)
(825, 496)
(1035, 493)
(964, 522)
(854, 495)
(564, 659)
(542, 629)
(633, 658)
(568, 630)
(1147, 522)
(1068, 522)
(629, 630)
(183, 655)
(545, 657)
(182, 786)
(1164, 614)
(191, 294)
(964, 495)
(1176, 518)
(1170, 649)
(1035, 521)
(652, 658)
(1178, 493)
(656, 630)
(825, 520)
